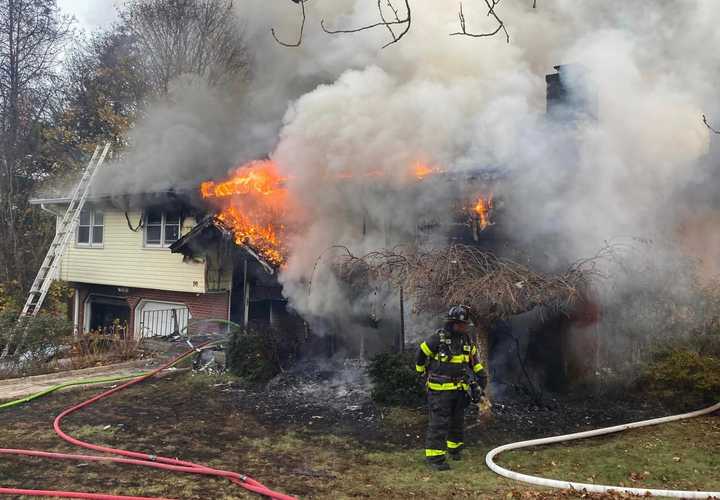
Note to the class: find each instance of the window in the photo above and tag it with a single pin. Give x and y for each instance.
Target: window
(162, 229)
(90, 228)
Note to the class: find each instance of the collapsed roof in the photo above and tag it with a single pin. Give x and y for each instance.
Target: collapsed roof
(209, 231)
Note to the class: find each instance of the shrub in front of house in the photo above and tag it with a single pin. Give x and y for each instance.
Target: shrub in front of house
(395, 381)
(45, 338)
(253, 355)
(685, 373)
(109, 345)
(43, 332)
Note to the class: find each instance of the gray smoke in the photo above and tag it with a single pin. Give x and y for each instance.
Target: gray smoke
(340, 104)
(465, 103)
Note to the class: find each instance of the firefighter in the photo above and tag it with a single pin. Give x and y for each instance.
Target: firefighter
(449, 360)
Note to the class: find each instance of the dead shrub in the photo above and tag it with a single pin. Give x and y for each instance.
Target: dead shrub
(115, 344)
(494, 287)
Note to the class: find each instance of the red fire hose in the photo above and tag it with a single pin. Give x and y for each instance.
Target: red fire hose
(134, 458)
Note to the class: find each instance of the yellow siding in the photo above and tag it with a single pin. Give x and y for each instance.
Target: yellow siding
(123, 261)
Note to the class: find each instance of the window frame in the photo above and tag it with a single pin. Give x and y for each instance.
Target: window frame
(163, 245)
(91, 229)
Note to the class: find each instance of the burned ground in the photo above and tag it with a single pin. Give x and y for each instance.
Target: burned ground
(330, 445)
(335, 397)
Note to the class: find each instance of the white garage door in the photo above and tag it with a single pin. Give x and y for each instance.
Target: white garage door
(158, 319)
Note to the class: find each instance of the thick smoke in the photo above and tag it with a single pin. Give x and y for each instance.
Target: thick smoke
(186, 137)
(467, 103)
(341, 104)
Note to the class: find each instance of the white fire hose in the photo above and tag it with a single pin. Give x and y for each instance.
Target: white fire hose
(597, 488)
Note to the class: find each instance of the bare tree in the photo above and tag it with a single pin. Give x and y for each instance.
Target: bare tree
(176, 37)
(399, 23)
(494, 287)
(32, 34)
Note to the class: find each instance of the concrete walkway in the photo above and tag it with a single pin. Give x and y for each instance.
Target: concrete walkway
(15, 388)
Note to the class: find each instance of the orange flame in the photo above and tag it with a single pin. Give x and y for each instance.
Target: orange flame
(255, 177)
(252, 202)
(482, 209)
(422, 170)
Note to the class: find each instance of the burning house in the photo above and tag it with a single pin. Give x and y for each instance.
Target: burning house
(150, 263)
(153, 262)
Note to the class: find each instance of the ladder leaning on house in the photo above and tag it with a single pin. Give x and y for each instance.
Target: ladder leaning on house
(65, 230)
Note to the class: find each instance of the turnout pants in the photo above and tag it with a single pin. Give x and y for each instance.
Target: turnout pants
(446, 425)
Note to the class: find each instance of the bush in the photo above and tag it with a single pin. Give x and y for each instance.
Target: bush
(44, 338)
(43, 333)
(253, 355)
(686, 373)
(93, 347)
(395, 381)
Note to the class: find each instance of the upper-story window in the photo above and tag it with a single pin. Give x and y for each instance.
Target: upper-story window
(162, 228)
(90, 228)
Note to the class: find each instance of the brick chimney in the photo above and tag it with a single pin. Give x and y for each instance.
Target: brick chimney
(570, 96)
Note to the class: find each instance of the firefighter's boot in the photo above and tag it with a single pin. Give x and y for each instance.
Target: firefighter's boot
(439, 465)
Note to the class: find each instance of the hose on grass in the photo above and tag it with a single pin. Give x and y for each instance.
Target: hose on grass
(102, 380)
(130, 457)
(597, 488)
(50, 390)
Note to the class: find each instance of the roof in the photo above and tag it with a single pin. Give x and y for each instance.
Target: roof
(210, 229)
(128, 201)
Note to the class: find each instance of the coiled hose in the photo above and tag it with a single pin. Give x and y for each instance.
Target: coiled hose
(597, 488)
(131, 457)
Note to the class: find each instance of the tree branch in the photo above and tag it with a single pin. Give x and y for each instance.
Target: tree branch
(406, 23)
(302, 27)
(713, 130)
(491, 4)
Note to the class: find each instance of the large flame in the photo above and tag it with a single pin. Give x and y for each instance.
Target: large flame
(253, 203)
(482, 210)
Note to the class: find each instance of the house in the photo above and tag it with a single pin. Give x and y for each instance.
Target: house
(152, 262)
(157, 261)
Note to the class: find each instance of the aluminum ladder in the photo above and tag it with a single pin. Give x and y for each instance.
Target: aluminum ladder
(65, 231)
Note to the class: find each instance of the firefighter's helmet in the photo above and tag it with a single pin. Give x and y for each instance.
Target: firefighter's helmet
(458, 314)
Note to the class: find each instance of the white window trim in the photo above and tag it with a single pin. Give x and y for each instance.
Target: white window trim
(163, 245)
(90, 244)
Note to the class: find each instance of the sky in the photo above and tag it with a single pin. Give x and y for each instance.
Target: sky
(90, 14)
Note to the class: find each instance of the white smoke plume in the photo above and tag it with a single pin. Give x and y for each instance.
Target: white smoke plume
(465, 103)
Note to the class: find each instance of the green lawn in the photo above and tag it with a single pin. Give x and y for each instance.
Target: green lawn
(681, 455)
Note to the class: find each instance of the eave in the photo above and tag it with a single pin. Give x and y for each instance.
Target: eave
(212, 229)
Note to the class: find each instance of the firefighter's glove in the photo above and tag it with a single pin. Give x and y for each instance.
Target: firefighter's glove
(481, 380)
(476, 392)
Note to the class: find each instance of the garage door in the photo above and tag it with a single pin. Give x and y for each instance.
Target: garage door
(159, 319)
